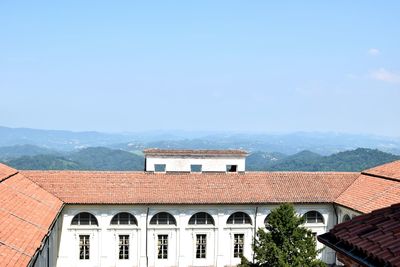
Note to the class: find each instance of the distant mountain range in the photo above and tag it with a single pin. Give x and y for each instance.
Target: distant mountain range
(102, 158)
(25, 148)
(289, 144)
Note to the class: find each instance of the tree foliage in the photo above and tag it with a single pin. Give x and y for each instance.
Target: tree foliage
(287, 243)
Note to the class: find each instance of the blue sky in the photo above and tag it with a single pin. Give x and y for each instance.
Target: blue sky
(247, 66)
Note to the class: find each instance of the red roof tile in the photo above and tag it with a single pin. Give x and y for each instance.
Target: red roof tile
(369, 193)
(389, 170)
(27, 212)
(373, 238)
(185, 188)
(6, 172)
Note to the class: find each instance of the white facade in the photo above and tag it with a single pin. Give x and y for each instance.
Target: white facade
(184, 164)
(345, 214)
(201, 160)
(47, 255)
(181, 251)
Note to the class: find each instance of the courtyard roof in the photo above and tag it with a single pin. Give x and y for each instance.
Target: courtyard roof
(31, 200)
(94, 187)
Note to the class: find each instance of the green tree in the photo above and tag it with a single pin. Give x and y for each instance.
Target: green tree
(287, 243)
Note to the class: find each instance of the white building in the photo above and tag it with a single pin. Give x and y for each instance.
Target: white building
(195, 160)
(176, 216)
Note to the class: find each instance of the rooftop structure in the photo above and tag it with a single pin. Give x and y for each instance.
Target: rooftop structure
(167, 160)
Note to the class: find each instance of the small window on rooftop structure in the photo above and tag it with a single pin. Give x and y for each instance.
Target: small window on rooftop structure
(231, 168)
(159, 167)
(195, 168)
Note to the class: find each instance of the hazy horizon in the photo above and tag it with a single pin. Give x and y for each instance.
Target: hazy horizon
(226, 66)
(203, 134)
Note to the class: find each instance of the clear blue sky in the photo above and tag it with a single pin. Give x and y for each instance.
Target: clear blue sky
(248, 66)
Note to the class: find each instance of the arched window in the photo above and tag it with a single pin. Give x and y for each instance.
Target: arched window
(314, 217)
(266, 219)
(123, 218)
(84, 218)
(201, 218)
(239, 218)
(346, 218)
(163, 218)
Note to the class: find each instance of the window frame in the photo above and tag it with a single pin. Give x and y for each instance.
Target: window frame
(124, 246)
(319, 218)
(162, 167)
(266, 219)
(155, 221)
(162, 248)
(246, 219)
(196, 168)
(132, 221)
(238, 248)
(84, 247)
(231, 168)
(346, 218)
(208, 219)
(77, 221)
(201, 246)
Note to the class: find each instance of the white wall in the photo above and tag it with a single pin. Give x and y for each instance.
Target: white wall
(104, 238)
(183, 164)
(342, 211)
(47, 256)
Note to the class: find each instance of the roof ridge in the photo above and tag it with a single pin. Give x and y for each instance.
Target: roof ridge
(186, 172)
(344, 191)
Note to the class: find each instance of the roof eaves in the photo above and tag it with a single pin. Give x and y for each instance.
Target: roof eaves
(42, 243)
(329, 240)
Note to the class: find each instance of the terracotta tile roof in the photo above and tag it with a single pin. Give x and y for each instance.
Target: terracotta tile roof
(185, 188)
(197, 152)
(6, 172)
(372, 238)
(389, 170)
(369, 193)
(26, 214)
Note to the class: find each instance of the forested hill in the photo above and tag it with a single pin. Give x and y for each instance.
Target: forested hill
(352, 160)
(93, 158)
(101, 158)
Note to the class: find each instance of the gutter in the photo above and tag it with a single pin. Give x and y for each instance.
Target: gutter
(255, 231)
(324, 239)
(337, 221)
(45, 238)
(147, 236)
